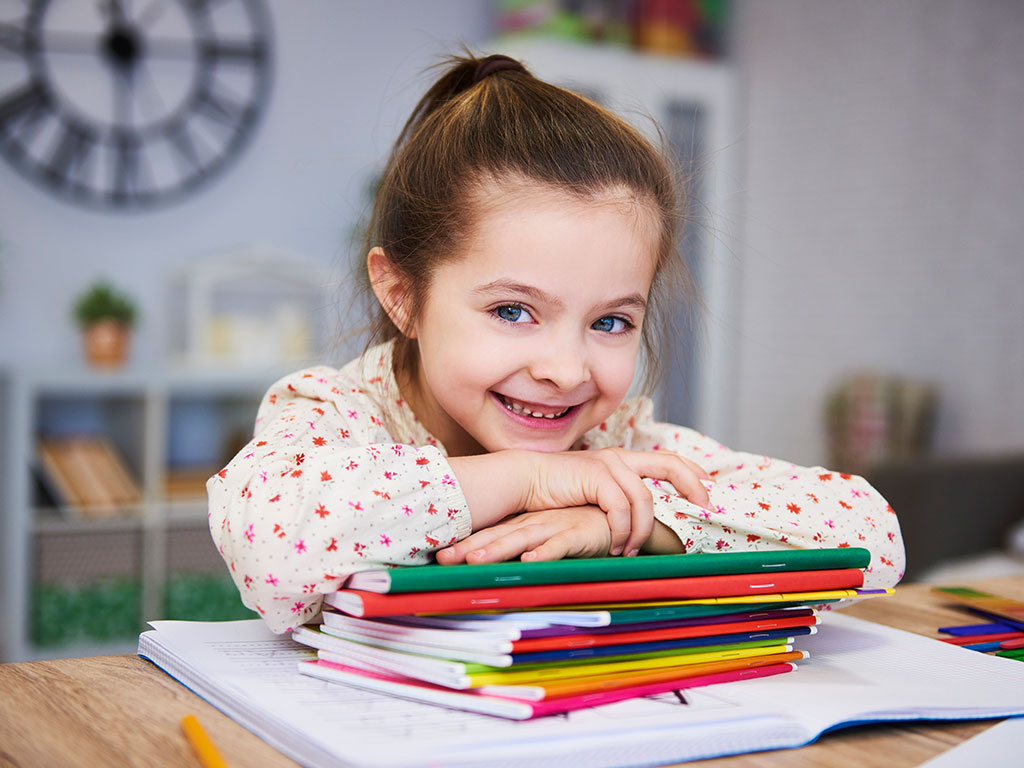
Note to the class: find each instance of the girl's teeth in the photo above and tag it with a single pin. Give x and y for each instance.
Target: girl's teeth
(518, 409)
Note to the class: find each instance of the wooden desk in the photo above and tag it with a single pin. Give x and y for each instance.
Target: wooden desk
(121, 710)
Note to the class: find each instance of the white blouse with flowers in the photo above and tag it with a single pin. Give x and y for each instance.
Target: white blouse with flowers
(341, 477)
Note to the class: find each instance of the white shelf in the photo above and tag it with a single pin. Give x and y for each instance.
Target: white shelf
(48, 520)
(135, 410)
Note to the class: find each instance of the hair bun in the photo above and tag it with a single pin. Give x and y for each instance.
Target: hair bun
(495, 63)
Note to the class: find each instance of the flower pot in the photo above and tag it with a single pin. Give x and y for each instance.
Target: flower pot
(106, 344)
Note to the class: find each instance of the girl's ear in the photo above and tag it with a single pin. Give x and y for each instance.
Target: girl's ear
(391, 290)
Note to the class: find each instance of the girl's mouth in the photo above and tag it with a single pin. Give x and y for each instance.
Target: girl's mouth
(539, 413)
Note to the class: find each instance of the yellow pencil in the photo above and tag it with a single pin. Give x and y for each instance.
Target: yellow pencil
(201, 743)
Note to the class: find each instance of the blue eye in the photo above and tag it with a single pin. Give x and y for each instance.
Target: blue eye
(611, 324)
(511, 313)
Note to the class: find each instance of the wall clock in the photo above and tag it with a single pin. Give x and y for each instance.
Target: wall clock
(130, 103)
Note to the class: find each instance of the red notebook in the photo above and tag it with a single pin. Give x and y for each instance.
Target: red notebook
(359, 603)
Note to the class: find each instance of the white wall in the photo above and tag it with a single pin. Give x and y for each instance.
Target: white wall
(347, 74)
(881, 214)
(883, 220)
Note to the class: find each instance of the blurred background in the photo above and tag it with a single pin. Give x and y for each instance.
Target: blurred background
(181, 192)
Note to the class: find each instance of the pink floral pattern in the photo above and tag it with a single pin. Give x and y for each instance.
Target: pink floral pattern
(341, 477)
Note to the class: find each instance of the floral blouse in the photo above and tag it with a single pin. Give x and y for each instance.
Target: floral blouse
(341, 477)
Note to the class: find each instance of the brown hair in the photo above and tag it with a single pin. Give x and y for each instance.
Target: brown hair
(491, 120)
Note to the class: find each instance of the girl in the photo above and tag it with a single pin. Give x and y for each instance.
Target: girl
(522, 242)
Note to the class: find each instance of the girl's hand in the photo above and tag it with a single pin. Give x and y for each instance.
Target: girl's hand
(612, 479)
(549, 534)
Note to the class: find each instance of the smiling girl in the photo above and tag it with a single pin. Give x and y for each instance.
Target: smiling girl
(522, 244)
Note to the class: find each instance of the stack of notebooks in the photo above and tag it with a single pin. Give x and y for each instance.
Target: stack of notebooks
(523, 640)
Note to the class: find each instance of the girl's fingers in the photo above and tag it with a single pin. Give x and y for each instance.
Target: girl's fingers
(698, 470)
(558, 547)
(509, 544)
(685, 475)
(457, 552)
(610, 496)
(641, 506)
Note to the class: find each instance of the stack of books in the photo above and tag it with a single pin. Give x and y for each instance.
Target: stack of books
(523, 640)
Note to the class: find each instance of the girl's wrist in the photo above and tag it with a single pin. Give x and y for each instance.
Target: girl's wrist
(663, 541)
(495, 485)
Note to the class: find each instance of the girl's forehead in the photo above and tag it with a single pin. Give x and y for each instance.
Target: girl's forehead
(521, 210)
(548, 236)
(494, 196)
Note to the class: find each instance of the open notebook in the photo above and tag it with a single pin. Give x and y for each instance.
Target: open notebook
(857, 672)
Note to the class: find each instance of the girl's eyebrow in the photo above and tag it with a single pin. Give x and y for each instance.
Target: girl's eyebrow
(505, 286)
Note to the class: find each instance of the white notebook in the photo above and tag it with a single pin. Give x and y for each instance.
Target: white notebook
(857, 672)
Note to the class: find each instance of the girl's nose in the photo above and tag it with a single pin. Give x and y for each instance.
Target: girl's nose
(563, 362)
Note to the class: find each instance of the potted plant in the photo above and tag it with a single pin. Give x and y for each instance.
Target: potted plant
(106, 318)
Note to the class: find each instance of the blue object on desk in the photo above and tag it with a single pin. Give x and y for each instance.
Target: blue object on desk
(977, 629)
(1013, 625)
(983, 647)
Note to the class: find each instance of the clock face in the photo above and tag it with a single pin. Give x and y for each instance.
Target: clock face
(129, 103)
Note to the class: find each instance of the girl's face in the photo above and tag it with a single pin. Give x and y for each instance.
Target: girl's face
(529, 338)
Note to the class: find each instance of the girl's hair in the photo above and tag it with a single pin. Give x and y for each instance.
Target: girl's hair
(489, 120)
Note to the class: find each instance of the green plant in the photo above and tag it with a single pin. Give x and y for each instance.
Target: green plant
(103, 302)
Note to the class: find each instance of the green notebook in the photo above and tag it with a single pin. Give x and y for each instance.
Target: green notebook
(515, 573)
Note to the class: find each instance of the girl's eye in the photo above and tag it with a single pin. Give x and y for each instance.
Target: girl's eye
(611, 324)
(512, 313)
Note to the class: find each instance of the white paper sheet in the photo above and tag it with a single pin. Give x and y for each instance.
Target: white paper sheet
(857, 671)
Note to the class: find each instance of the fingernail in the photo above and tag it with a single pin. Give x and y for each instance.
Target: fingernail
(633, 553)
(616, 551)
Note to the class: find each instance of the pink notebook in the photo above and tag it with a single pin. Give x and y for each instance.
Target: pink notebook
(515, 709)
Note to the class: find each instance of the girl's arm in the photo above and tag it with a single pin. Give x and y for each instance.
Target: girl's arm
(762, 503)
(303, 505)
(550, 534)
(505, 483)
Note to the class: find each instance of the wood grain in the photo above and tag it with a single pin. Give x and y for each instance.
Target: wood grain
(111, 711)
(123, 711)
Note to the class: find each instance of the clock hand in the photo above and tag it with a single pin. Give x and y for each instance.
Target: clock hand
(114, 13)
(150, 14)
(69, 42)
(15, 39)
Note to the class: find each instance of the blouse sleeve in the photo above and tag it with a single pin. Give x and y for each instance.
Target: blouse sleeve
(760, 503)
(312, 499)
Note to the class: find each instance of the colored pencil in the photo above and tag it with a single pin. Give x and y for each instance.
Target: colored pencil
(201, 743)
(972, 639)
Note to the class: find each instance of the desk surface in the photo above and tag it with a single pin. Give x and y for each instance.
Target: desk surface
(121, 710)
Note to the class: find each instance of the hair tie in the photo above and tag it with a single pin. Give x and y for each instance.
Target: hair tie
(495, 63)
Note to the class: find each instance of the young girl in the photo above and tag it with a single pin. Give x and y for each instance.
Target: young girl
(521, 244)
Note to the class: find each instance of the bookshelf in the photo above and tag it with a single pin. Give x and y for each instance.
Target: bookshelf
(80, 575)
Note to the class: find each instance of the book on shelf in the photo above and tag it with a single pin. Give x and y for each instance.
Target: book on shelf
(857, 672)
(87, 476)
